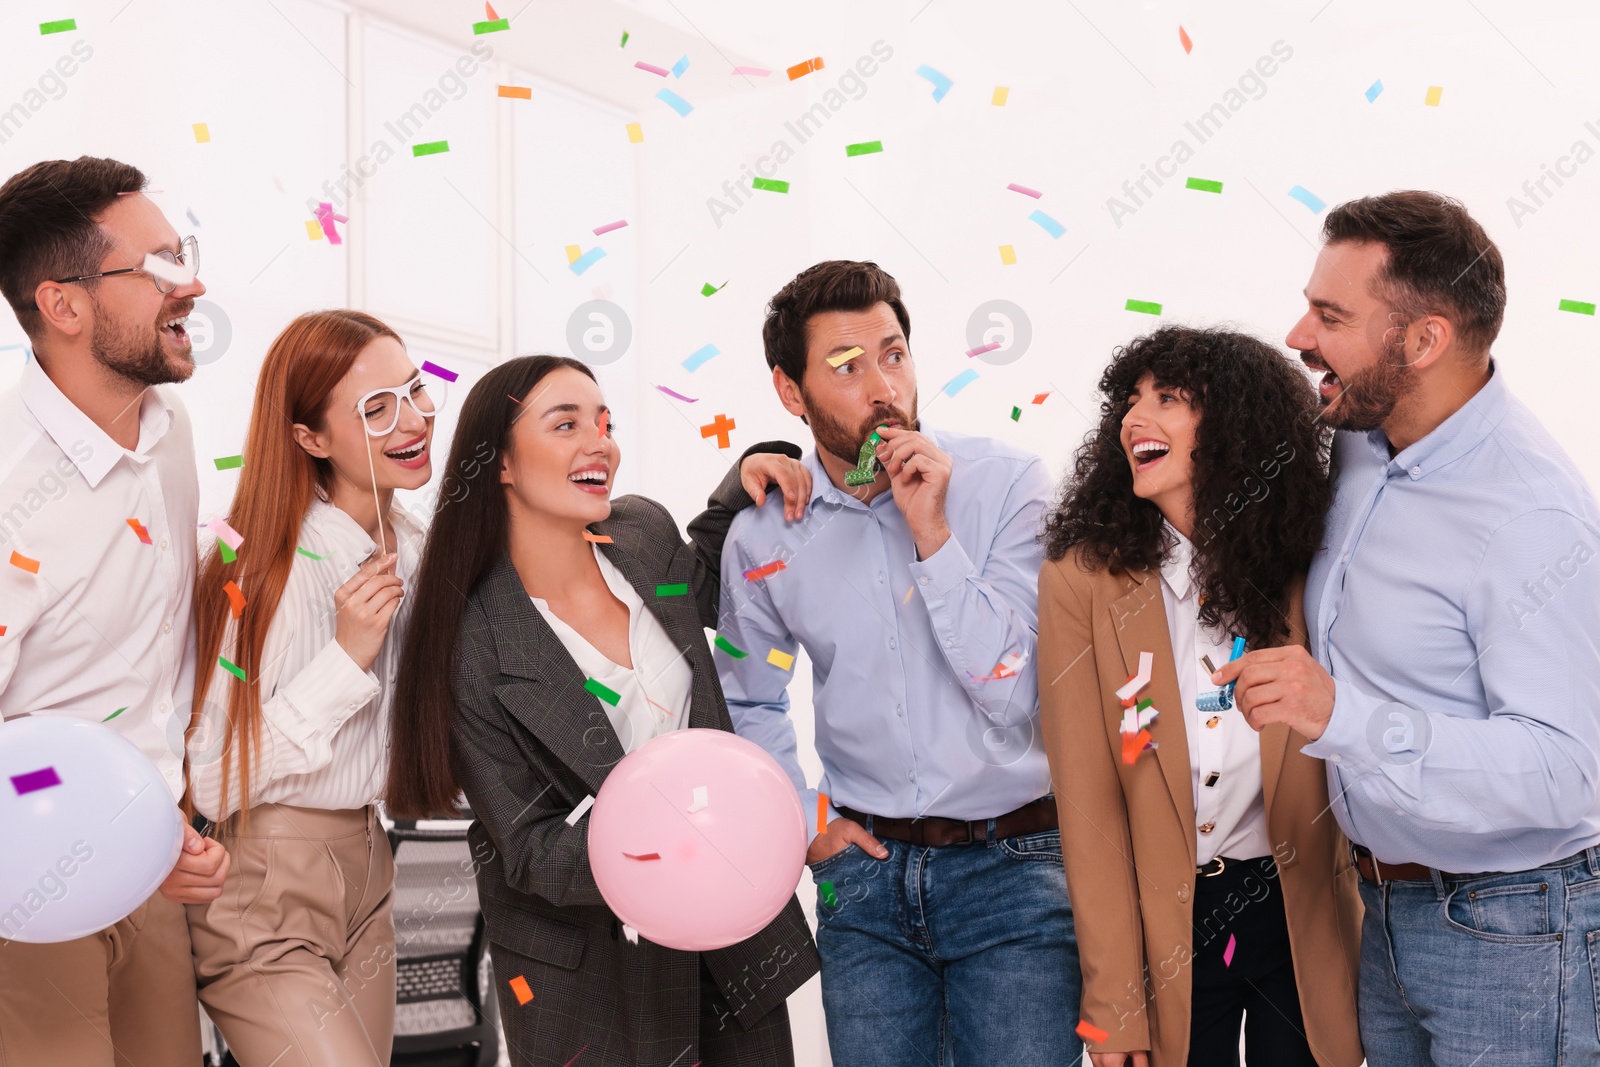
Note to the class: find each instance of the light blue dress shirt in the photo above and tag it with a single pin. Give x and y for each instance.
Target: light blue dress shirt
(1456, 602)
(909, 721)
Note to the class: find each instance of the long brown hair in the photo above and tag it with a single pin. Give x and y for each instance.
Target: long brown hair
(467, 536)
(276, 489)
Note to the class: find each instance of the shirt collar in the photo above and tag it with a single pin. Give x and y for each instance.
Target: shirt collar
(345, 536)
(822, 487)
(1175, 567)
(1453, 438)
(69, 426)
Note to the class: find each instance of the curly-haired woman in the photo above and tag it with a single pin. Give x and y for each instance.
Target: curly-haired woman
(1204, 883)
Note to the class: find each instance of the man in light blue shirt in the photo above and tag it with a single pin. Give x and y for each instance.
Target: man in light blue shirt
(943, 919)
(1454, 614)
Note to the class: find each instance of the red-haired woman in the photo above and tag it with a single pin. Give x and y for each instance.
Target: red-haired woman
(298, 638)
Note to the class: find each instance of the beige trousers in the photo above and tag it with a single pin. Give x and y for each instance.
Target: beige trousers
(123, 997)
(295, 961)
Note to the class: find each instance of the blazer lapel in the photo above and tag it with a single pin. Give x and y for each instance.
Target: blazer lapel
(1139, 619)
(545, 690)
(647, 563)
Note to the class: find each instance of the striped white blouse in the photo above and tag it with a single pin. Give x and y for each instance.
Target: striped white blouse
(324, 720)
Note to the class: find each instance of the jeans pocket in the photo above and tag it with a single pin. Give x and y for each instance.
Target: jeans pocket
(1041, 846)
(828, 863)
(1514, 913)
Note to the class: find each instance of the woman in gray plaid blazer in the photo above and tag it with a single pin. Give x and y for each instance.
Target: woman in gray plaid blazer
(491, 700)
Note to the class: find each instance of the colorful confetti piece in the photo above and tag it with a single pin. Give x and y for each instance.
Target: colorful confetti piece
(710, 290)
(1144, 307)
(701, 800)
(1008, 255)
(780, 659)
(1308, 198)
(1576, 306)
(139, 531)
(680, 66)
(29, 565)
(822, 812)
(34, 781)
(673, 589)
(608, 227)
(237, 672)
(730, 648)
(698, 357)
(678, 396)
(771, 185)
(642, 855)
(845, 357)
(516, 92)
(202, 133)
(430, 148)
(236, 599)
(1089, 1032)
(675, 102)
(1183, 39)
(1040, 398)
(1048, 224)
(114, 714)
(491, 27)
(1227, 953)
(652, 68)
(309, 554)
(1024, 190)
(981, 349)
(59, 26)
(941, 84)
(800, 70)
(577, 813)
(1001, 95)
(1016, 414)
(863, 148)
(828, 897)
(587, 260)
(598, 539)
(1374, 90)
(599, 689)
(1434, 93)
(229, 463)
(766, 570)
(719, 427)
(519, 987)
(1204, 185)
(959, 382)
(635, 133)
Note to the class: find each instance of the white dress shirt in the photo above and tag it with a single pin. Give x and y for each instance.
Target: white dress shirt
(1230, 815)
(100, 630)
(324, 720)
(655, 693)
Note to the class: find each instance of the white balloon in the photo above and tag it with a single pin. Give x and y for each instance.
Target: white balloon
(88, 828)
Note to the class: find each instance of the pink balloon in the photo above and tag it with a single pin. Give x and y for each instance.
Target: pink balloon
(725, 870)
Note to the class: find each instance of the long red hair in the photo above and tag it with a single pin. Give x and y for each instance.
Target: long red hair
(276, 489)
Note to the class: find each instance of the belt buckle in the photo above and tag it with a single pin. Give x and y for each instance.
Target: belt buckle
(1203, 872)
(1377, 869)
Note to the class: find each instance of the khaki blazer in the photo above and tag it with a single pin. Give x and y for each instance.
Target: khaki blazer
(1128, 832)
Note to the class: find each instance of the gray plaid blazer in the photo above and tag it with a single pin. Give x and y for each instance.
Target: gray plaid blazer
(528, 744)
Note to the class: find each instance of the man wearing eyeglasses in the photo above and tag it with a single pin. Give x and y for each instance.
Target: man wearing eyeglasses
(94, 449)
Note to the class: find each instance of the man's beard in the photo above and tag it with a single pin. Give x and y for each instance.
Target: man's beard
(845, 442)
(136, 353)
(1373, 393)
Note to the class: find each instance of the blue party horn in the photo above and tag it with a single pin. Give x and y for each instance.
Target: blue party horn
(1221, 699)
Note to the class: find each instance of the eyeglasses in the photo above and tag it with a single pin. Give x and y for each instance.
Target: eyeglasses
(380, 409)
(188, 255)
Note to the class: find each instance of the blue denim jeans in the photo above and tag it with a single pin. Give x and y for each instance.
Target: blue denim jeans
(962, 950)
(1496, 970)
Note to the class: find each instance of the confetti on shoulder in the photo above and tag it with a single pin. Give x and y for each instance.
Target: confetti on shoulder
(780, 659)
(673, 589)
(730, 648)
(601, 690)
(766, 570)
(598, 539)
(438, 371)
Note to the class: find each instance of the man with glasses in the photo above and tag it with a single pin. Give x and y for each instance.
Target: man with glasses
(96, 617)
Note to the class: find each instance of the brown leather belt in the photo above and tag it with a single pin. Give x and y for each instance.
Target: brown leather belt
(1034, 817)
(1378, 873)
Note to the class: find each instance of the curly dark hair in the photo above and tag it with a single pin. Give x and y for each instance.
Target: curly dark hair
(1261, 482)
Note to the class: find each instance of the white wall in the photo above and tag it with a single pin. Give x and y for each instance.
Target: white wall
(465, 251)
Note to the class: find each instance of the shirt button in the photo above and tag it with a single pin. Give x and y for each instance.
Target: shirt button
(898, 710)
(949, 644)
(166, 627)
(1207, 827)
(923, 580)
(1334, 758)
(891, 642)
(163, 544)
(880, 576)
(911, 776)
(1416, 470)
(161, 707)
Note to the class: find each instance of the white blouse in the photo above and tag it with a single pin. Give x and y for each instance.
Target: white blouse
(654, 696)
(324, 720)
(1224, 752)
